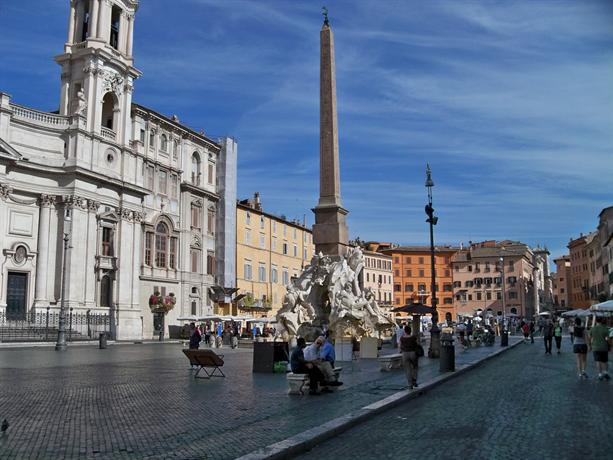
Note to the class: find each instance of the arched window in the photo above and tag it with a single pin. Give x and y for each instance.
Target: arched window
(195, 168)
(161, 244)
(164, 143)
(110, 109)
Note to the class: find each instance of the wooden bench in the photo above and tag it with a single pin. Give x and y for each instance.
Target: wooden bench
(299, 383)
(205, 359)
(389, 362)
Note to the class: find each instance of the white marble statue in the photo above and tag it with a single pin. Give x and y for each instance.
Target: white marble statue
(328, 295)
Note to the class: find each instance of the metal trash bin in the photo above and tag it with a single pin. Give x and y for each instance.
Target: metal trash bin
(504, 338)
(102, 341)
(447, 356)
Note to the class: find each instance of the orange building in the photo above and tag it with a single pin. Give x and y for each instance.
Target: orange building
(412, 277)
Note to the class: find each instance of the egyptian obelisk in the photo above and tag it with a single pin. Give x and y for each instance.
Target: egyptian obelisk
(330, 234)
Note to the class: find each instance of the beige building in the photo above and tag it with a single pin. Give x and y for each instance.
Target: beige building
(562, 282)
(483, 271)
(580, 273)
(377, 276)
(270, 250)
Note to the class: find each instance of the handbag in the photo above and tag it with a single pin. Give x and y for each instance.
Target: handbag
(420, 351)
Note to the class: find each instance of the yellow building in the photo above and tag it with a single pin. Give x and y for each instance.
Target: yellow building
(270, 250)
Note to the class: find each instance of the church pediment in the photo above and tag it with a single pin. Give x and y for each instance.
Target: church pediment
(6, 151)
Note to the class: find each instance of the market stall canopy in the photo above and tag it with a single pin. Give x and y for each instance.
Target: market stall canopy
(603, 306)
(579, 312)
(414, 309)
(190, 318)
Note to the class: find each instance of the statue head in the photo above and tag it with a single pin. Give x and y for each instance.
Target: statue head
(355, 257)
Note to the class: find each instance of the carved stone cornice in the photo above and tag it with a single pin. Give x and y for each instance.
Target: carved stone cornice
(5, 191)
(139, 216)
(93, 205)
(74, 201)
(46, 201)
(126, 214)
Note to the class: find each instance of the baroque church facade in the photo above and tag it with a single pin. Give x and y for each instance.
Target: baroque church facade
(148, 204)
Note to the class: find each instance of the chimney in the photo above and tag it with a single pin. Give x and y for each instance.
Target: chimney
(257, 204)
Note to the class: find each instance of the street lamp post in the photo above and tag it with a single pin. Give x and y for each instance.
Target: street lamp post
(435, 344)
(504, 341)
(60, 345)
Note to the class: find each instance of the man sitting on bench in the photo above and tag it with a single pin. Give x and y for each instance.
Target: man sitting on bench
(312, 354)
(301, 366)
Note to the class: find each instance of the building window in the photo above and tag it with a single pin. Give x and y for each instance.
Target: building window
(262, 273)
(367, 276)
(285, 276)
(248, 218)
(408, 287)
(262, 222)
(285, 249)
(396, 272)
(274, 243)
(397, 288)
(447, 300)
(196, 213)
(488, 295)
(195, 168)
(274, 226)
(151, 138)
(164, 143)
(421, 273)
(274, 276)
(478, 296)
(284, 230)
(115, 21)
(161, 244)
(142, 136)
(211, 175)
(211, 221)
(498, 295)
(512, 295)
(163, 182)
(150, 176)
(247, 270)
(447, 273)
(295, 251)
(174, 184)
(107, 241)
(175, 149)
(172, 253)
(195, 259)
(148, 245)
(247, 236)
(421, 260)
(210, 263)
(262, 241)
(409, 273)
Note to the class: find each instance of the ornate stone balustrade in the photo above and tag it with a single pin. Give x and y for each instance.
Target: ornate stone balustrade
(107, 133)
(42, 118)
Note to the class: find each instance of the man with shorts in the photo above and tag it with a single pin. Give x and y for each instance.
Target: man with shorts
(599, 344)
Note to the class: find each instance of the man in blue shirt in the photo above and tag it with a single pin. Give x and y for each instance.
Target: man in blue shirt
(301, 366)
(327, 350)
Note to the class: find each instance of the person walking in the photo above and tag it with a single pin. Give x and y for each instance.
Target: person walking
(580, 347)
(571, 331)
(194, 340)
(526, 331)
(410, 360)
(599, 344)
(557, 335)
(548, 336)
(531, 331)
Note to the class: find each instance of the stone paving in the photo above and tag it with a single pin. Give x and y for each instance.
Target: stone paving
(141, 401)
(521, 405)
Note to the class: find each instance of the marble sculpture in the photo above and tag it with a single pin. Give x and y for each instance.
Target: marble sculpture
(327, 296)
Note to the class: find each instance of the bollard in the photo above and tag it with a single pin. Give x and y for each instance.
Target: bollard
(504, 339)
(161, 336)
(102, 341)
(447, 354)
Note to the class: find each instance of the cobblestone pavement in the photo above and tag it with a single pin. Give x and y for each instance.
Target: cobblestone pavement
(141, 401)
(521, 405)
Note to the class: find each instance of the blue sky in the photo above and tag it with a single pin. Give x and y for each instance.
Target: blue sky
(511, 103)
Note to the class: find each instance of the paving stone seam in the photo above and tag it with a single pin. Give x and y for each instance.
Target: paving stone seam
(308, 439)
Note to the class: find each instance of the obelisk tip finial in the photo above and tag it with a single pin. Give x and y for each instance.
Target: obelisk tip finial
(324, 11)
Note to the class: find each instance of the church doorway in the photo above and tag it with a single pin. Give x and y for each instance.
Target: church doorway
(16, 296)
(106, 291)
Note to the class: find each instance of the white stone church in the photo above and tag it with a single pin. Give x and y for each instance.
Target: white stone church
(148, 203)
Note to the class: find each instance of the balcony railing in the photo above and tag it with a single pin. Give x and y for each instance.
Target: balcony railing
(51, 120)
(108, 133)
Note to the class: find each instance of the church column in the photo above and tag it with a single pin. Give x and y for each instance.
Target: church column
(80, 13)
(71, 22)
(104, 20)
(42, 259)
(137, 251)
(92, 245)
(94, 11)
(77, 261)
(130, 34)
